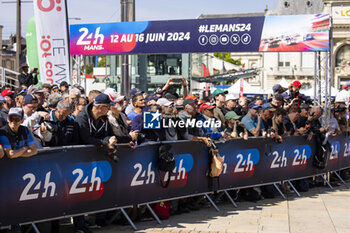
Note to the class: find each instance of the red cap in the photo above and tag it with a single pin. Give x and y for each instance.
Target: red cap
(6, 92)
(345, 86)
(191, 97)
(206, 106)
(296, 83)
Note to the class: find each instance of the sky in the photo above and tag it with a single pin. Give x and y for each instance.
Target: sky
(102, 11)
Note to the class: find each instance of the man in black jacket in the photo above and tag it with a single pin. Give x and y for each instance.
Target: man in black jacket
(26, 79)
(64, 129)
(93, 123)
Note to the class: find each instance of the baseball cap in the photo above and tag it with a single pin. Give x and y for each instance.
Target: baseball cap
(17, 111)
(189, 101)
(164, 102)
(345, 86)
(64, 83)
(55, 86)
(34, 89)
(232, 97)
(232, 115)
(112, 94)
(151, 97)
(296, 83)
(102, 99)
(206, 106)
(135, 91)
(268, 106)
(253, 105)
(191, 97)
(6, 92)
(277, 87)
(219, 91)
(30, 99)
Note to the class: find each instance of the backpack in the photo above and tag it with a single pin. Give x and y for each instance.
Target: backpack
(165, 163)
(162, 209)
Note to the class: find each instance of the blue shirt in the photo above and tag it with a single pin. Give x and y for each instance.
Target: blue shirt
(19, 139)
(251, 124)
(132, 115)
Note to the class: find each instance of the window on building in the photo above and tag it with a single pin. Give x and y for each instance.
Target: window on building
(342, 55)
(283, 60)
(169, 64)
(307, 60)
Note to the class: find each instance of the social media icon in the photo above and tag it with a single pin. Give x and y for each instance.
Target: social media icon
(235, 39)
(213, 39)
(246, 39)
(203, 40)
(224, 39)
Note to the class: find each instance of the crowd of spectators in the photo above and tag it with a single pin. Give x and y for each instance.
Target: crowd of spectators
(33, 117)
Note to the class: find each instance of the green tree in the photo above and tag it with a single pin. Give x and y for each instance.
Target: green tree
(102, 61)
(228, 58)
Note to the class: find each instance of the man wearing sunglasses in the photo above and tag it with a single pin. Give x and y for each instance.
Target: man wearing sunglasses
(17, 139)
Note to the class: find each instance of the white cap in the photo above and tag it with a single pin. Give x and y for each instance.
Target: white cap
(164, 102)
(112, 94)
(232, 97)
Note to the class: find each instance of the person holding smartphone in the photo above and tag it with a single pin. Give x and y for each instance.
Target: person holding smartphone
(26, 79)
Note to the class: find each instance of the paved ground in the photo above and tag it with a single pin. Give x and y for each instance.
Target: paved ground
(320, 210)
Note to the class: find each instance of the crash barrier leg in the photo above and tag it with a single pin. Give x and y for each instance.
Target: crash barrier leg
(339, 177)
(325, 179)
(279, 190)
(154, 214)
(295, 190)
(230, 198)
(127, 218)
(212, 203)
(35, 228)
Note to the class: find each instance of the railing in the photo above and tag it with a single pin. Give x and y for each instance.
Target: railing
(9, 77)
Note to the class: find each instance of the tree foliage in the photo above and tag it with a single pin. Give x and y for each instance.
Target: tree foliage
(228, 58)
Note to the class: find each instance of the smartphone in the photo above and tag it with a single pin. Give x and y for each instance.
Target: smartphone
(35, 70)
(177, 80)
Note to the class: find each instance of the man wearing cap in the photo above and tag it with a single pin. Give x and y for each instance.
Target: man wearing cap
(93, 123)
(235, 128)
(295, 96)
(343, 95)
(151, 99)
(9, 97)
(231, 104)
(139, 104)
(26, 79)
(192, 133)
(16, 139)
(253, 121)
(118, 119)
(212, 129)
(277, 89)
(32, 119)
(40, 95)
(266, 115)
(64, 87)
(219, 97)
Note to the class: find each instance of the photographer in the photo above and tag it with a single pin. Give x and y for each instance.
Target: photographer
(63, 128)
(27, 79)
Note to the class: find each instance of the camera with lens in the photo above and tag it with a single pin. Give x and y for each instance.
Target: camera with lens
(50, 127)
(112, 153)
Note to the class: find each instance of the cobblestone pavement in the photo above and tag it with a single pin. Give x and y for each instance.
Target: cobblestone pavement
(319, 210)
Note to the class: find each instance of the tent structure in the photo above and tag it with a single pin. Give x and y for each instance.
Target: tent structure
(247, 88)
(311, 92)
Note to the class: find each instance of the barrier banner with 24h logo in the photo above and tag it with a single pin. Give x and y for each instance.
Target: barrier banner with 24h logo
(72, 181)
(52, 40)
(244, 34)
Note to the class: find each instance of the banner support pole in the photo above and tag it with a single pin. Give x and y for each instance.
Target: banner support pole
(35, 228)
(230, 198)
(341, 179)
(127, 218)
(279, 190)
(329, 185)
(212, 202)
(154, 214)
(295, 190)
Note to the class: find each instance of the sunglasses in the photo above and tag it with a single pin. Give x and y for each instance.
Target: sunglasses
(15, 119)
